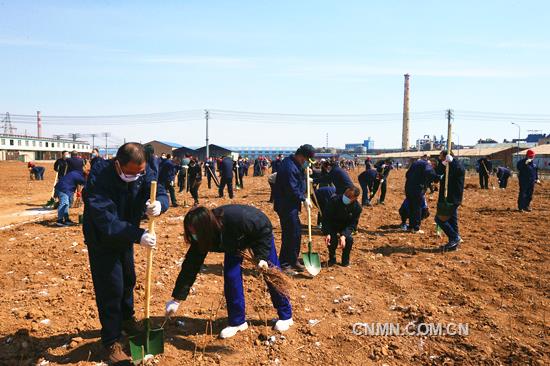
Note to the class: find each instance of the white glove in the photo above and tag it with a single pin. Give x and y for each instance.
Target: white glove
(263, 265)
(449, 158)
(172, 307)
(528, 161)
(327, 240)
(307, 203)
(538, 181)
(153, 209)
(148, 240)
(381, 181)
(171, 183)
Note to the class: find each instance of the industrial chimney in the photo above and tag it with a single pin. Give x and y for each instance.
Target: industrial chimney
(39, 124)
(405, 136)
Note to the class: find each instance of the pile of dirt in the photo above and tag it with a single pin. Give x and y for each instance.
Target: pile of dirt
(497, 284)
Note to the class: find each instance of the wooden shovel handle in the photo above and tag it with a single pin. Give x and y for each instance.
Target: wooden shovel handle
(149, 270)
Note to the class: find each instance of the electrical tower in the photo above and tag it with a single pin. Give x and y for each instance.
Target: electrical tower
(8, 127)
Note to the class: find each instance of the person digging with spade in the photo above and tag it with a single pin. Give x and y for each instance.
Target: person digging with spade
(454, 197)
(117, 196)
(230, 229)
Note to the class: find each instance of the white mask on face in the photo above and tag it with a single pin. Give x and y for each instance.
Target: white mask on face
(129, 178)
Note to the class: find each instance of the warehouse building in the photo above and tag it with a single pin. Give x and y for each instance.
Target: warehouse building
(29, 148)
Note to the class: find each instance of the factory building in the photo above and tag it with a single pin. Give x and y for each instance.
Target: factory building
(29, 148)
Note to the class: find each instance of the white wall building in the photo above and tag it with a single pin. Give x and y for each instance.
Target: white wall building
(28, 148)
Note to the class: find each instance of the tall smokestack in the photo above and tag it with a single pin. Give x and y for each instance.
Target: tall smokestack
(39, 124)
(405, 136)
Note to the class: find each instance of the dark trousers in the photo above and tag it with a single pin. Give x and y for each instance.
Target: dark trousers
(181, 180)
(334, 241)
(503, 182)
(450, 227)
(170, 189)
(484, 180)
(234, 294)
(38, 172)
(382, 189)
(365, 194)
(415, 209)
(525, 195)
(291, 228)
(114, 279)
(209, 179)
(194, 189)
(223, 182)
(240, 180)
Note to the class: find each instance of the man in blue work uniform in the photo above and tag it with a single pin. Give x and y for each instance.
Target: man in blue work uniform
(226, 176)
(366, 181)
(383, 168)
(210, 170)
(60, 165)
(75, 162)
(419, 176)
(323, 195)
(337, 176)
(454, 197)
(117, 194)
(484, 167)
(289, 193)
(340, 219)
(503, 174)
(64, 190)
(275, 164)
(528, 176)
(167, 176)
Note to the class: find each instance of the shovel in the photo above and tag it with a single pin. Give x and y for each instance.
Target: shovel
(151, 341)
(51, 201)
(312, 261)
(444, 208)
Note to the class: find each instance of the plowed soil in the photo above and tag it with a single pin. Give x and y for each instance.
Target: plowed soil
(497, 284)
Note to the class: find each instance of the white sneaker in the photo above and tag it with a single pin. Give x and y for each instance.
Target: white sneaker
(229, 332)
(283, 325)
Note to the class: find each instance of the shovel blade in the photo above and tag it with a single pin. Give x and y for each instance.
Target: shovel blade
(150, 342)
(312, 262)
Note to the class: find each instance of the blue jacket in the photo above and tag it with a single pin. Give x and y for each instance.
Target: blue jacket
(419, 176)
(503, 173)
(290, 186)
(275, 164)
(367, 178)
(527, 173)
(167, 171)
(113, 209)
(337, 176)
(67, 184)
(226, 168)
(456, 182)
(340, 218)
(324, 194)
(75, 164)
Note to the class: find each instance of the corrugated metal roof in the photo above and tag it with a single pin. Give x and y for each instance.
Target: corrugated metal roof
(539, 150)
(460, 152)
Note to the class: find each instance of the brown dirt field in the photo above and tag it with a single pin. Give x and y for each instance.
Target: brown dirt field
(497, 283)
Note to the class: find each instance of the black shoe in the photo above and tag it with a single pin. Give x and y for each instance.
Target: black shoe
(60, 223)
(345, 264)
(528, 209)
(289, 271)
(68, 222)
(298, 267)
(331, 262)
(452, 245)
(131, 327)
(175, 205)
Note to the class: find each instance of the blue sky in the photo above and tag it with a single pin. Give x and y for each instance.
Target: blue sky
(337, 57)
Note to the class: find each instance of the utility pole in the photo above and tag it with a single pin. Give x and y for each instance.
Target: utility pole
(327, 141)
(405, 132)
(106, 135)
(93, 135)
(206, 117)
(449, 130)
(519, 137)
(39, 124)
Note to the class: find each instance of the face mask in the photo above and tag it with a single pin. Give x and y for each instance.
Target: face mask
(66, 156)
(345, 200)
(305, 164)
(129, 178)
(195, 237)
(94, 155)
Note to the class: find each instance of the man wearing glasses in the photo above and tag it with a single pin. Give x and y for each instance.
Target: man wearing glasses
(117, 196)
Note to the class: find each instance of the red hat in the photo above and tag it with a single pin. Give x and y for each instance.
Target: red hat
(530, 154)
